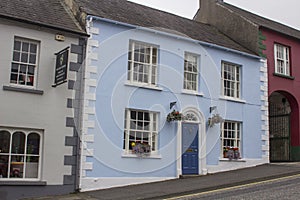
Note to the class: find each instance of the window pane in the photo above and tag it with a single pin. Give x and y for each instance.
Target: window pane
(16, 56)
(18, 143)
(3, 166)
(17, 45)
(4, 142)
(32, 167)
(16, 167)
(13, 78)
(23, 69)
(24, 57)
(33, 144)
(14, 68)
(33, 48)
(25, 47)
(32, 58)
(30, 80)
(30, 70)
(133, 114)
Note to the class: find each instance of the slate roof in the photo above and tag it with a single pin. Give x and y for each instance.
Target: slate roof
(264, 22)
(139, 15)
(48, 13)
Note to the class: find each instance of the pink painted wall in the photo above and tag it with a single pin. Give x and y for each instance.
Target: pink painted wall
(289, 88)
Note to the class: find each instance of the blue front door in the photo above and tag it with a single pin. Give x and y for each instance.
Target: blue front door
(190, 158)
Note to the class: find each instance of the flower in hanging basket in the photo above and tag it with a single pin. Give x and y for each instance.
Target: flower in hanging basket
(174, 116)
(141, 149)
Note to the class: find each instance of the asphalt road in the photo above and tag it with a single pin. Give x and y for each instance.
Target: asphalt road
(287, 188)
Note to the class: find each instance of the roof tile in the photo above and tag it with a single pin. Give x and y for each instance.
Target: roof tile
(139, 15)
(44, 12)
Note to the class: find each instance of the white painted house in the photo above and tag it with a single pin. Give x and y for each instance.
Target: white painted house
(38, 133)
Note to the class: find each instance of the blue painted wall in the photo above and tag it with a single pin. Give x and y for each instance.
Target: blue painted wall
(114, 96)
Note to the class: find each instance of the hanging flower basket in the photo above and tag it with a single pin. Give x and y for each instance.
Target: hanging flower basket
(174, 116)
(215, 119)
(141, 149)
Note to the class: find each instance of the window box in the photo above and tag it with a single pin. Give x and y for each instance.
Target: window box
(231, 153)
(141, 149)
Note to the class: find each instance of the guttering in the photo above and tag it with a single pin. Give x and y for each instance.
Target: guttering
(173, 36)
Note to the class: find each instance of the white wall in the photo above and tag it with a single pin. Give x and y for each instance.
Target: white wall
(46, 112)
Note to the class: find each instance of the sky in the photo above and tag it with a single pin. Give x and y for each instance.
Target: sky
(284, 11)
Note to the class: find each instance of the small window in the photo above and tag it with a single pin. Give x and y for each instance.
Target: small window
(231, 139)
(190, 72)
(140, 127)
(142, 63)
(231, 80)
(19, 155)
(24, 62)
(282, 59)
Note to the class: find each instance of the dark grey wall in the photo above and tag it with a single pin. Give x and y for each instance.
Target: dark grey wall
(231, 24)
(20, 192)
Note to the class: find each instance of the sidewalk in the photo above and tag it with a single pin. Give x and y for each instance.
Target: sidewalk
(160, 190)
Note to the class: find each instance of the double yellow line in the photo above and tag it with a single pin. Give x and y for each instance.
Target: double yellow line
(234, 187)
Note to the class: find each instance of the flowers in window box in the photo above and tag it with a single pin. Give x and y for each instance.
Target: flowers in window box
(231, 153)
(174, 116)
(141, 149)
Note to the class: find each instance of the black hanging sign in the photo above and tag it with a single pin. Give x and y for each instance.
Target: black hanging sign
(61, 67)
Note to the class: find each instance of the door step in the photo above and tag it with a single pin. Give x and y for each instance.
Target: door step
(190, 176)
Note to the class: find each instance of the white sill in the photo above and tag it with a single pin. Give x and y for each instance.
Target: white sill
(141, 85)
(232, 99)
(191, 92)
(232, 160)
(16, 88)
(151, 156)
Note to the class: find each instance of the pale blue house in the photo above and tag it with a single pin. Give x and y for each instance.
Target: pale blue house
(166, 96)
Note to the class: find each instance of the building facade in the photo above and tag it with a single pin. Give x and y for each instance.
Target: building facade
(159, 104)
(279, 44)
(38, 119)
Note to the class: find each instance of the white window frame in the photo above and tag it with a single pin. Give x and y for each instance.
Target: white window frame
(282, 60)
(231, 80)
(152, 130)
(26, 132)
(26, 76)
(236, 139)
(142, 63)
(191, 77)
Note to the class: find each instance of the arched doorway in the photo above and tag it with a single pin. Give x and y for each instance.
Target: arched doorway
(280, 126)
(192, 143)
